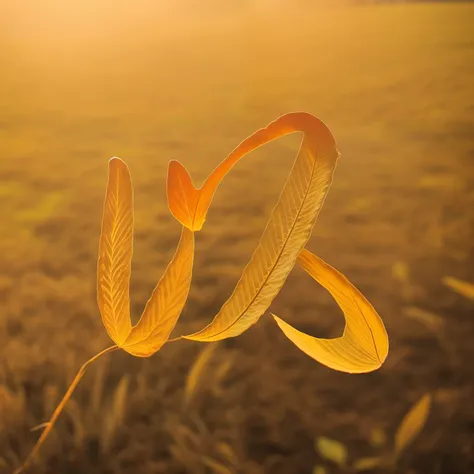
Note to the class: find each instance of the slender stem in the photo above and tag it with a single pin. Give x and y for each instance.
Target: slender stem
(175, 339)
(49, 425)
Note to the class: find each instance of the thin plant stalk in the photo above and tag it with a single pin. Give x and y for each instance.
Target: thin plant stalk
(49, 425)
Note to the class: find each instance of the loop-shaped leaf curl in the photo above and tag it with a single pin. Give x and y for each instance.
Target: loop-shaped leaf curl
(363, 345)
(115, 255)
(166, 303)
(288, 228)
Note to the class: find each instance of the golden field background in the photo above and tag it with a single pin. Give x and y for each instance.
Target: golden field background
(154, 81)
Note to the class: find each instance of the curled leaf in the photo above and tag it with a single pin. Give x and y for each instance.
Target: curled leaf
(412, 424)
(166, 303)
(115, 253)
(287, 231)
(363, 345)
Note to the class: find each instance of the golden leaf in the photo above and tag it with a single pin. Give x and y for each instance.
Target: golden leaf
(166, 303)
(412, 424)
(182, 196)
(287, 231)
(115, 253)
(332, 450)
(363, 345)
(462, 287)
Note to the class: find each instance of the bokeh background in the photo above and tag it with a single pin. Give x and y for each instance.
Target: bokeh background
(151, 81)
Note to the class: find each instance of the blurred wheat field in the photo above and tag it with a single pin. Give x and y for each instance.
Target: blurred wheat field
(149, 83)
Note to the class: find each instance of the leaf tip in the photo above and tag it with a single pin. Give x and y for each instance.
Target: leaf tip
(276, 318)
(118, 165)
(116, 160)
(183, 197)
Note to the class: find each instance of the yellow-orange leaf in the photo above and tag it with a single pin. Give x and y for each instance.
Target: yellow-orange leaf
(412, 424)
(464, 288)
(166, 303)
(115, 253)
(287, 231)
(363, 345)
(182, 196)
(190, 205)
(332, 450)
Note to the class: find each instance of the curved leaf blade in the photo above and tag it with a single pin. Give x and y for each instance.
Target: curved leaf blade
(166, 303)
(363, 346)
(412, 424)
(288, 229)
(115, 253)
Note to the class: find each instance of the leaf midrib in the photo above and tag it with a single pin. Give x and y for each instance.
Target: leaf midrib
(277, 258)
